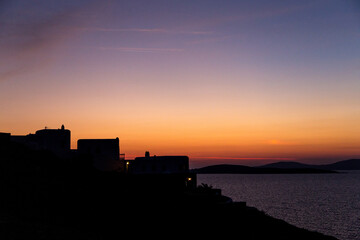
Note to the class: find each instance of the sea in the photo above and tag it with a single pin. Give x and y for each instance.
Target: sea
(326, 203)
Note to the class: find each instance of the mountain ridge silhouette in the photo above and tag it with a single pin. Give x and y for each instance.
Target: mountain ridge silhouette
(281, 167)
(350, 164)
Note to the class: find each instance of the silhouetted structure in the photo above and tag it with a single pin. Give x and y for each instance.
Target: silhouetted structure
(158, 164)
(4, 138)
(56, 141)
(105, 153)
(162, 166)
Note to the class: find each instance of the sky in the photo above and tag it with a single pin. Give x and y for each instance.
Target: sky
(222, 81)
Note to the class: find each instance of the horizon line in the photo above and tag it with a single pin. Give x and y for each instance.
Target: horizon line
(247, 158)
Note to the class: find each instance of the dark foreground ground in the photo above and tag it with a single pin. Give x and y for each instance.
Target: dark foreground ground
(103, 210)
(44, 198)
(226, 222)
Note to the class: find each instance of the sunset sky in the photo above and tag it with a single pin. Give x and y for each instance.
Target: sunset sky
(222, 81)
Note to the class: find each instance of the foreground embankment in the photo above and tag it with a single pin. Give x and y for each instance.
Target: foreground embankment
(46, 198)
(108, 206)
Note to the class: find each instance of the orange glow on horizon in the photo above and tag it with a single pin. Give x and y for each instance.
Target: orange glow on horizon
(247, 158)
(218, 84)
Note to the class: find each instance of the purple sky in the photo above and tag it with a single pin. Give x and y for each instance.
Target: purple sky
(210, 79)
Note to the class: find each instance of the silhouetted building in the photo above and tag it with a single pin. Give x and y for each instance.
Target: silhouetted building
(158, 164)
(105, 153)
(175, 168)
(4, 138)
(55, 140)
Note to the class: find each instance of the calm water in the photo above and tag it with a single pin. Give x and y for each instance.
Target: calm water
(327, 203)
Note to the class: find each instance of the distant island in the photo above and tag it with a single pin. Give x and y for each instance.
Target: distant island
(281, 168)
(350, 164)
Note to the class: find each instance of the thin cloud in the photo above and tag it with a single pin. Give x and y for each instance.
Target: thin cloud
(148, 30)
(250, 16)
(36, 28)
(142, 50)
(25, 44)
(30, 32)
(8, 74)
(210, 40)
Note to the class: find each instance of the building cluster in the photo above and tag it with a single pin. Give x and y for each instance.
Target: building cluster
(104, 153)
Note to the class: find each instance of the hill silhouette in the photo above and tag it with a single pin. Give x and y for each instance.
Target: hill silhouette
(351, 164)
(240, 169)
(287, 164)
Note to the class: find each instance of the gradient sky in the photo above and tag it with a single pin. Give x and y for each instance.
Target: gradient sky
(221, 81)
